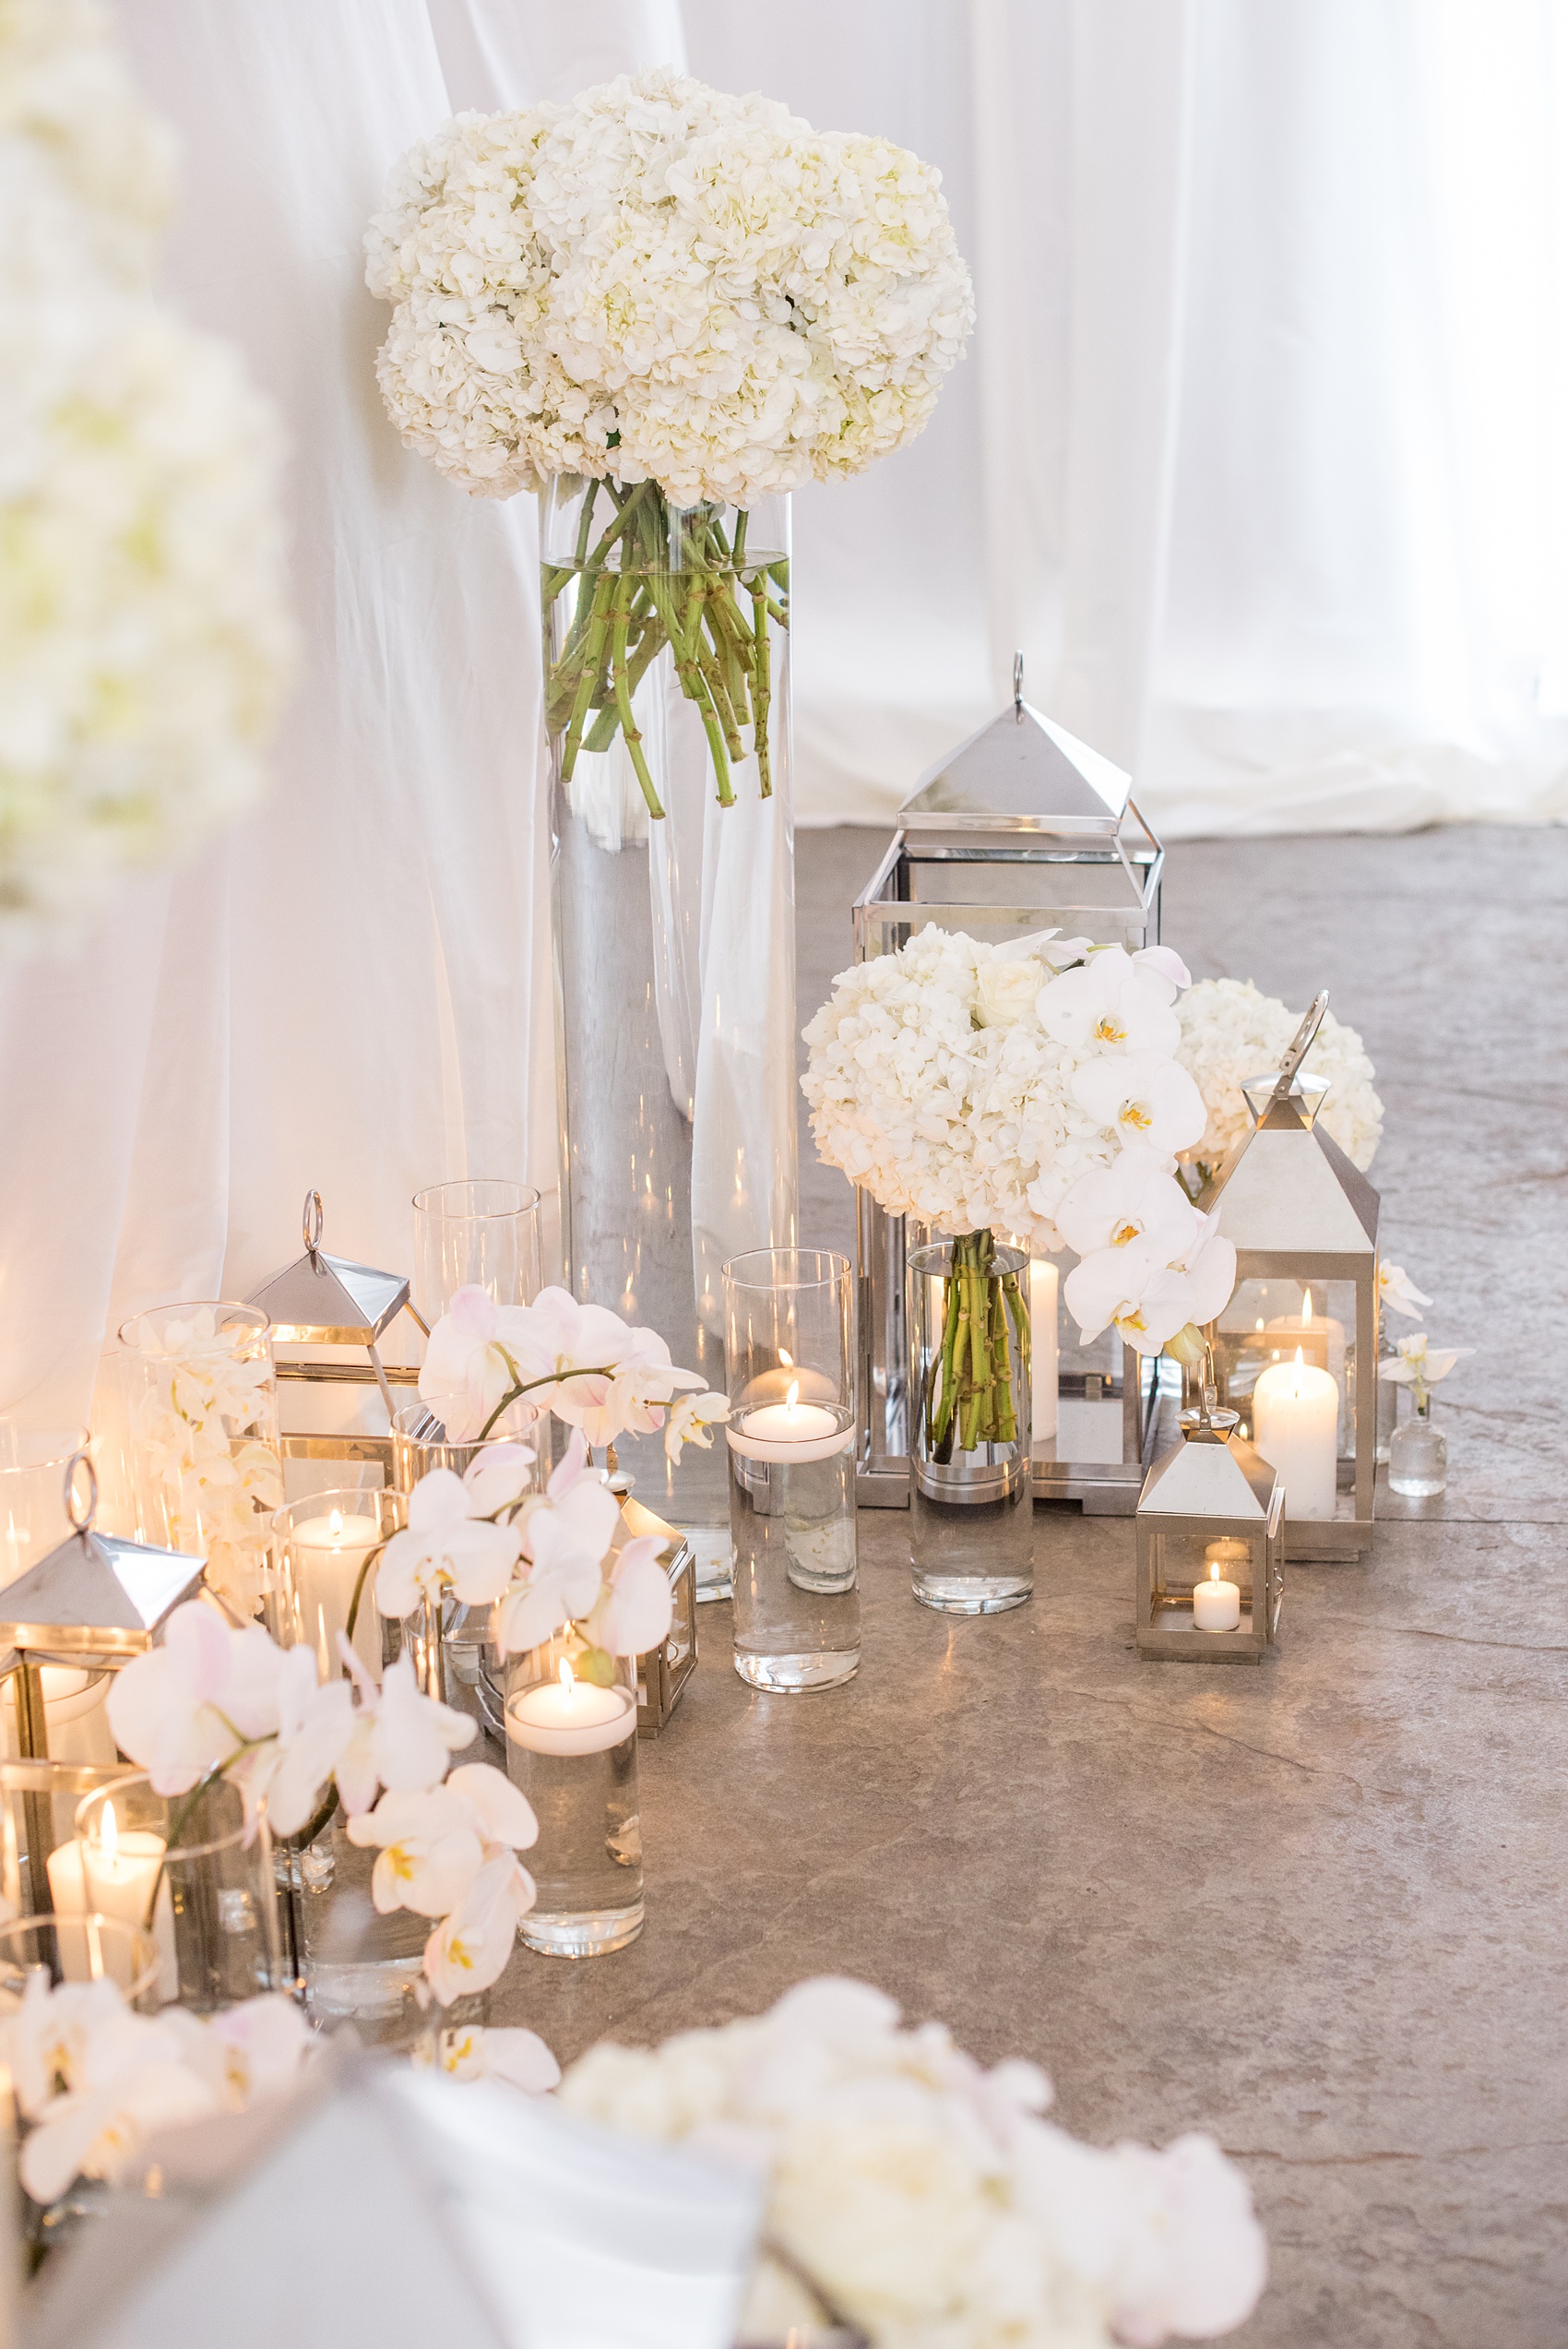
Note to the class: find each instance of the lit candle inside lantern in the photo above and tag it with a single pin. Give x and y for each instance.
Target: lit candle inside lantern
(327, 1553)
(123, 1877)
(792, 1432)
(570, 1716)
(1320, 1337)
(1296, 1413)
(1044, 1365)
(1216, 1604)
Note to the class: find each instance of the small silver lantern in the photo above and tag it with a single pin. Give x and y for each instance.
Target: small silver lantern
(1211, 1547)
(323, 1300)
(96, 1596)
(1022, 828)
(1303, 1221)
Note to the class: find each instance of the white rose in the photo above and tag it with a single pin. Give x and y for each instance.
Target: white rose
(1007, 990)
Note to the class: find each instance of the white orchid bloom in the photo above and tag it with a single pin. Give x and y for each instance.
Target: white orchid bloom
(481, 2052)
(691, 1418)
(1132, 1198)
(401, 1739)
(315, 1721)
(428, 1851)
(1112, 1005)
(194, 1703)
(499, 1477)
(1145, 1098)
(503, 1816)
(1163, 963)
(565, 1534)
(603, 1375)
(1146, 1295)
(255, 2049)
(1413, 1365)
(1398, 1292)
(446, 1545)
(467, 1375)
(638, 1609)
(469, 1949)
(99, 2133)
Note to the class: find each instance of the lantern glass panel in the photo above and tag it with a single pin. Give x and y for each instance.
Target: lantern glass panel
(1267, 1321)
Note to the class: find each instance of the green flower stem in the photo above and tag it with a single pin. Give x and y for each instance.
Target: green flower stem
(761, 689)
(624, 698)
(603, 596)
(969, 1393)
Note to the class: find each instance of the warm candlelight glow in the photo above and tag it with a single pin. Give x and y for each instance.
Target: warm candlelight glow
(1307, 1311)
(567, 1676)
(1214, 1570)
(786, 1358)
(323, 1653)
(793, 1396)
(110, 1835)
(1295, 1387)
(335, 1525)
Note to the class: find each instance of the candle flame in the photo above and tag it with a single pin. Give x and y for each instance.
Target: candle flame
(1296, 1382)
(1260, 1321)
(1214, 1570)
(568, 1677)
(790, 1397)
(1307, 1311)
(111, 1838)
(335, 1525)
(786, 1358)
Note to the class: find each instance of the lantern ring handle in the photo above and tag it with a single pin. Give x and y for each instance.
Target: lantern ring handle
(80, 1520)
(310, 1223)
(1017, 684)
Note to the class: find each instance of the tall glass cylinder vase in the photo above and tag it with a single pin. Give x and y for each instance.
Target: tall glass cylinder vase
(193, 1859)
(668, 705)
(480, 1233)
(971, 1508)
(790, 1348)
(33, 1461)
(572, 1748)
(202, 1416)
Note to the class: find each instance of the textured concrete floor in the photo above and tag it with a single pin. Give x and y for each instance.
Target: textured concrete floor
(1317, 1906)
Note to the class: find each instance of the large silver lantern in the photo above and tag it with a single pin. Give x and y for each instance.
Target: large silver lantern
(1295, 1351)
(1022, 828)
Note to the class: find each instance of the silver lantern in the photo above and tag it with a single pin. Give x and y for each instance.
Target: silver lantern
(1303, 1221)
(1022, 828)
(1211, 1547)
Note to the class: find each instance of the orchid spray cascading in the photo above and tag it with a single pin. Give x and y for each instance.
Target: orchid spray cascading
(664, 309)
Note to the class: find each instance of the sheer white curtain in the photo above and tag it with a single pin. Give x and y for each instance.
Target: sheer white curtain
(1262, 449)
(352, 990)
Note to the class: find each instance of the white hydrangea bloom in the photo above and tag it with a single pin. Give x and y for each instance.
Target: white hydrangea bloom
(660, 281)
(1230, 1031)
(926, 2197)
(144, 632)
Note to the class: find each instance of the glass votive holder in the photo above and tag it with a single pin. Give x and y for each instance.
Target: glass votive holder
(325, 1550)
(971, 1496)
(89, 1948)
(572, 1750)
(483, 1234)
(206, 1469)
(789, 1359)
(220, 1926)
(33, 1463)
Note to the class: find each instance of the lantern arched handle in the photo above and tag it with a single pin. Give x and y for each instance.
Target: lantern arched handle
(312, 1223)
(78, 1519)
(1017, 684)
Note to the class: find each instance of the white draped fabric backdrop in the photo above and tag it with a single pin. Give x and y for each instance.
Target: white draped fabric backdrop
(1260, 454)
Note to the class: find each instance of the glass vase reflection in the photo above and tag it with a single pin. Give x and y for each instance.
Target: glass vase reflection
(971, 1519)
(572, 1750)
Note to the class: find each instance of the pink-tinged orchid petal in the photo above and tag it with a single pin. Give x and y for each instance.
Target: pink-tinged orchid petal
(437, 1501)
(498, 1477)
(529, 1618)
(520, 2057)
(1164, 963)
(640, 1610)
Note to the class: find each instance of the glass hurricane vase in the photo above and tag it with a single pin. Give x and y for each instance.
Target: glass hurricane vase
(667, 672)
(1418, 1456)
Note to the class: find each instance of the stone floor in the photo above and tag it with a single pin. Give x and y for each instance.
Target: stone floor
(1317, 1906)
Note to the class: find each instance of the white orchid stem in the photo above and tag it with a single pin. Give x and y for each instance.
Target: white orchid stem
(522, 1386)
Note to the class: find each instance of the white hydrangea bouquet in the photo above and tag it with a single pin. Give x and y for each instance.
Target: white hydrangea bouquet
(146, 633)
(694, 300)
(925, 2201)
(1030, 1091)
(1230, 1032)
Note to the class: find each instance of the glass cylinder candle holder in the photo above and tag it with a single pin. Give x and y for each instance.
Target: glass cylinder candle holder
(481, 1234)
(572, 1748)
(788, 1352)
(202, 1415)
(972, 1508)
(324, 1554)
(223, 1929)
(89, 1948)
(33, 1461)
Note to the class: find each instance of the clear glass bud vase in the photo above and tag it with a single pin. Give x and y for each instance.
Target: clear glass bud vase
(1418, 1456)
(971, 1501)
(667, 676)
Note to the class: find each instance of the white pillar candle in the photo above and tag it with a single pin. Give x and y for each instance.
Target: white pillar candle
(1044, 1366)
(67, 1897)
(792, 1432)
(123, 1877)
(1320, 1337)
(570, 1716)
(1216, 1604)
(1296, 1428)
(327, 1553)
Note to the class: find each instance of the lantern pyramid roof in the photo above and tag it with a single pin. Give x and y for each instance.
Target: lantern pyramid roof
(1289, 1188)
(1023, 771)
(1208, 1477)
(97, 1593)
(325, 1300)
